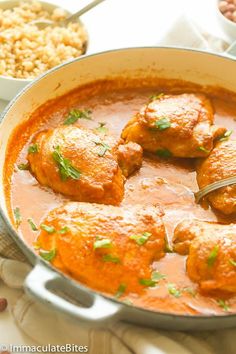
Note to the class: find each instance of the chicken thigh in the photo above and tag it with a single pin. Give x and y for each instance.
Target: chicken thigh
(105, 247)
(175, 125)
(211, 250)
(220, 164)
(82, 164)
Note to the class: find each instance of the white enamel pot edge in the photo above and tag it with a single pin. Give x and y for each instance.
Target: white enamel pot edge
(191, 65)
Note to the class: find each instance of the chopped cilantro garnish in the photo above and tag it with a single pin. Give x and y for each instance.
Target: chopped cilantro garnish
(32, 225)
(36, 245)
(201, 148)
(162, 124)
(103, 243)
(225, 136)
(232, 262)
(128, 302)
(156, 276)
(66, 169)
(76, 114)
(223, 304)
(168, 248)
(47, 255)
(102, 128)
(104, 148)
(23, 166)
(141, 239)
(64, 230)
(164, 153)
(156, 97)
(49, 229)
(32, 149)
(17, 216)
(212, 256)
(110, 258)
(147, 282)
(173, 290)
(120, 291)
(189, 290)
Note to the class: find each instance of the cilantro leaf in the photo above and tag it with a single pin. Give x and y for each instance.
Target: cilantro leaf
(66, 169)
(64, 230)
(156, 97)
(156, 276)
(201, 148)
(32, 225)
(104, 147)
(121, 290)
(33, 149)
(128, 302)
(47, 255)
(189, 290)
(223, 304)
(110, 258)
(76, 114)
(162, 124)
(102, 128)
(212, 256)
(147, 282)
(17, 216)
(103, 243)
(225, 136)
(232, 262)
(164, 153)
(49, 229)
(173, 290)
(23, 166)
(141, 239)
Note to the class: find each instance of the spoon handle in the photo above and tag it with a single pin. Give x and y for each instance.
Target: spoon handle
(214, 186)
(81, 12)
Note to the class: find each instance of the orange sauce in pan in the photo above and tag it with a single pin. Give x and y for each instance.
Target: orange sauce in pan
(170, 183)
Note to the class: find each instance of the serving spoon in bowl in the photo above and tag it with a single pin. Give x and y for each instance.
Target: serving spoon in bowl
(41, 24)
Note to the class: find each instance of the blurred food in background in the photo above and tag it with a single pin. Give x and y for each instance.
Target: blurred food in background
(228, 9)
(26, 51)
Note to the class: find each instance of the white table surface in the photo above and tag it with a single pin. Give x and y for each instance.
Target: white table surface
(130, 23)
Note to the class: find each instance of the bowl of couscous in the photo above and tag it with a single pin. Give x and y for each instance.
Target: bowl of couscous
(27, 52)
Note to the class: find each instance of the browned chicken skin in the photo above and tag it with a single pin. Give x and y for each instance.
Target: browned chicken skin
(220, 164)
(211, 250)
(103, 246)
(129, 157)
(82, 164)
(178, 125)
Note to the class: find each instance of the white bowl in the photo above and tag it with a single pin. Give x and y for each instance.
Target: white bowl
(229, 27)
(10, 86)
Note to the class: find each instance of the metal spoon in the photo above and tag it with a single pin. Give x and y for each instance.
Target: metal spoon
(214, 186)
(41, 24)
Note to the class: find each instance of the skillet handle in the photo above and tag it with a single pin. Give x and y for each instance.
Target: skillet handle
(231, 50)
(41, 282)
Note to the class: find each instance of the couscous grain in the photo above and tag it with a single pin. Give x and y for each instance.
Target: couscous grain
(26, 51)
